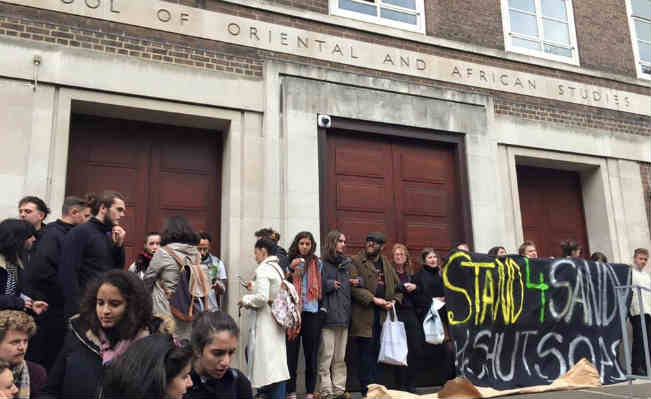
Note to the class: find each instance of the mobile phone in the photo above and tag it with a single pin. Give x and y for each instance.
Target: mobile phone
(243, 282)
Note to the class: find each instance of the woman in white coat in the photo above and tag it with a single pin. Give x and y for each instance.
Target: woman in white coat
(269, 372)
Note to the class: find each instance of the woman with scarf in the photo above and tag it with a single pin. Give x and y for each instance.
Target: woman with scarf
(140, 265)
(115, 312)
(305, 274)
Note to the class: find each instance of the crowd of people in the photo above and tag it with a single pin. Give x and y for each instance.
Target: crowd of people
(72, 309)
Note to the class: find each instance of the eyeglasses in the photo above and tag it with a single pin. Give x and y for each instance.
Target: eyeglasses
(371, 242)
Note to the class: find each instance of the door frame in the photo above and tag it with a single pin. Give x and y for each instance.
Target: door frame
(392, 130)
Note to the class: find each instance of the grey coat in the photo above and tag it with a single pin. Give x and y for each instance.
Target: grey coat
(336, 302)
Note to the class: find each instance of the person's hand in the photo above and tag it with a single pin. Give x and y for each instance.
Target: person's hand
(295, 263)
(388, 305)
(410, 287)
(379, 302)
(337, 285)
(118, 235)
(39, 307)
(28, 303)
(441, 298)
(354, 282)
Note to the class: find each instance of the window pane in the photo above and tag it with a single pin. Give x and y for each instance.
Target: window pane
(526, 5)
(517, 42)
(646, 69)
(645, 51)
(410, 4)
(556, 31)
(523, 23)
(643, 30)
(562, 51)
(554, 9)
(399, 16)
(642, 8)
(350, 5)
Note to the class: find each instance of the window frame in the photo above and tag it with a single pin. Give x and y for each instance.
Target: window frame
(634, 40)
(420, 15)
(506, 25)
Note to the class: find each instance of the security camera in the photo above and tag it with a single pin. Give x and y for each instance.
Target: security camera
(324, 120)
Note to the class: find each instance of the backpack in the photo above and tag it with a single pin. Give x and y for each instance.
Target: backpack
(284, 308)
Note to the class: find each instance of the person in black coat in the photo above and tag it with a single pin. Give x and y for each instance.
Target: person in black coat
(214, 342)
(116, 311)
(42, 283)
(16, 237)
(429, 285)
(92, 248)
(406, 376)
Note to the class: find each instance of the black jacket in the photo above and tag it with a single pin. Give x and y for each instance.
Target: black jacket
(78, 370)
(10, 302)
(336, 302)
(233, 385)
(429, 285)
(41, 281)
(88, 251)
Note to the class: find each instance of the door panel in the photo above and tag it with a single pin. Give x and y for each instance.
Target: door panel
(162, 170)
(406, 189)
(551, 204)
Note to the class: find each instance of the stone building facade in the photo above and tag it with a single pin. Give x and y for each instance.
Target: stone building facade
(435, 121)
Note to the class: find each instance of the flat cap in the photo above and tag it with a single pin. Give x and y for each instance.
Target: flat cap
(377, 237)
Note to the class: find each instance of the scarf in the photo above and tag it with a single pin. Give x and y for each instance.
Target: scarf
(142, 261)
(21, 379)
(109, 353)
(313, 282)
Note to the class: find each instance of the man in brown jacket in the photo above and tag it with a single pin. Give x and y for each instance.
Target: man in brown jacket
(372, 297)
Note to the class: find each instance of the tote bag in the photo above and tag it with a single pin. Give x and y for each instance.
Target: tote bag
(432, 325)
(393, 341)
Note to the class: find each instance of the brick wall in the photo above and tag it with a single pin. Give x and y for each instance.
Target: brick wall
(645, 172)
(155, 46)
(476, 22)
(603, 37)
(572, 116)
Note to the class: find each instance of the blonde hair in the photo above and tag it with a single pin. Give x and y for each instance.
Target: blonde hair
(408, 266)
(16, 320)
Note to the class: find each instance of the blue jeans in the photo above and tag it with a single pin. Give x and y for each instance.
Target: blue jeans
(274, 391)
(369, 349)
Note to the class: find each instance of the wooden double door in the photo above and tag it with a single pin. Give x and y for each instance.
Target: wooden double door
(551, 203)
(407, 189)
(162, 170)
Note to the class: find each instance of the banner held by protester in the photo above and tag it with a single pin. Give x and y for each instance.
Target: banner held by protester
(520, 322)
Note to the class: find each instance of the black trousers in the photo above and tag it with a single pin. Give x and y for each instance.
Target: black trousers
(310, 336)
(638, 359)
(368, 350)
(403, 378)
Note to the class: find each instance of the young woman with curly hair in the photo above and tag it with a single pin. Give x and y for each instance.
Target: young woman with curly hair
(116, 311)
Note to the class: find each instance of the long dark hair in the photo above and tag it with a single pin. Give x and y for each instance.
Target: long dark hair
(293, 249)
(178, 229)
(138, 312)
(145, 369)
(330, 246)
(13, 233)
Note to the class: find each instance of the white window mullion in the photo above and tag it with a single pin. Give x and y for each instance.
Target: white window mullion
(391, 18)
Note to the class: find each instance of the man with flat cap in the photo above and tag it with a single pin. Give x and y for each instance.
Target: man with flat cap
(375, 294)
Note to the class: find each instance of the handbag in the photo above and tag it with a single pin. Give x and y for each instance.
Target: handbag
(432, 325)
(393, 341)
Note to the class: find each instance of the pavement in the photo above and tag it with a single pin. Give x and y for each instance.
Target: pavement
(641, 389)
